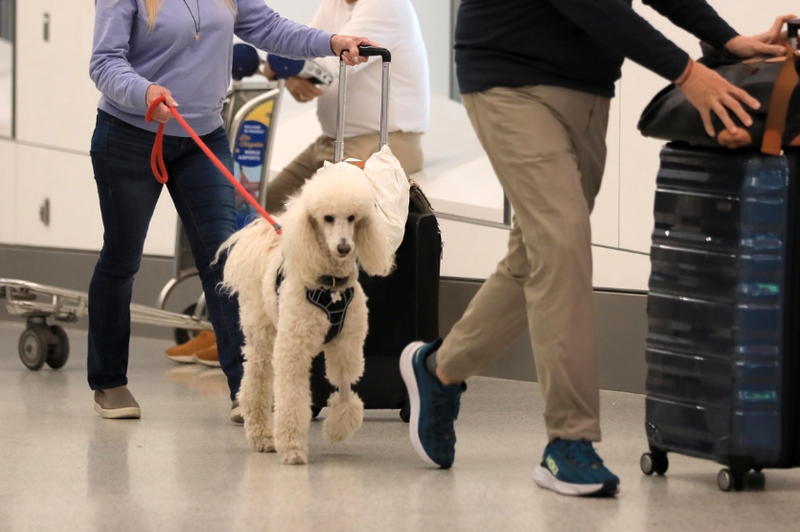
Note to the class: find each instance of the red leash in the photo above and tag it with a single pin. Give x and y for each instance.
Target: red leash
(160, 169)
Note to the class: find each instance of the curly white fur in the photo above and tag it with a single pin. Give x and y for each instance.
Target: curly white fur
(330, 228)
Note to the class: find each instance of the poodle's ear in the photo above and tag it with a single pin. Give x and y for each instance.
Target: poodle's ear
(372, 246)
(299, 235)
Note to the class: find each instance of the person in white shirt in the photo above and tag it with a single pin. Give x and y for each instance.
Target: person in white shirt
(393, 24)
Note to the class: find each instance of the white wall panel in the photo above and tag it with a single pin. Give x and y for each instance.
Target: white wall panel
(66, 180)
(56, 100)
(8, 185)
(471, 251)
(620, 270)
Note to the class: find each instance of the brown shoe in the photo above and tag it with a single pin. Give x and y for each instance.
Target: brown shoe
(116, 403)
(208, 356)
(184, 353)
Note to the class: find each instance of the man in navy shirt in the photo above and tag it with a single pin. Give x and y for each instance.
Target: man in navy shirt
(537, 77)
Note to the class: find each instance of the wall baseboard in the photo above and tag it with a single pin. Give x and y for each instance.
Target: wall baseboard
(620, 318)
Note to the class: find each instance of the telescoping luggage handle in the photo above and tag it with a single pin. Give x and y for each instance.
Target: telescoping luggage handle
(386, 58)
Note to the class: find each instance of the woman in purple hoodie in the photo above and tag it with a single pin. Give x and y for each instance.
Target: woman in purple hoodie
(182, 50)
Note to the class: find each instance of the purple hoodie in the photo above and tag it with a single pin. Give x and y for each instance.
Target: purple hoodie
(127, 57)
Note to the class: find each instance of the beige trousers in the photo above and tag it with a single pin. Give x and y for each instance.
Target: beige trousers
(405, 146)
(547, 147)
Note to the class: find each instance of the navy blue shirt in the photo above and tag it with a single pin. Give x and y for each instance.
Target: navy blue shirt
(577, 44)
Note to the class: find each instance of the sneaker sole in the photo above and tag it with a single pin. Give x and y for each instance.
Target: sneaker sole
(545, 479)
(209, 363)
(130, 412)
(186, 359)
(236, 415)
(407, 372)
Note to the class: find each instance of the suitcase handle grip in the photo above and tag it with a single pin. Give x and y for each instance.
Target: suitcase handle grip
(386, 58)
(372, 51)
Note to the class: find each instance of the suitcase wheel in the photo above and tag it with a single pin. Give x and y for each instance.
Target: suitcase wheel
(727, 480)
(657, 463)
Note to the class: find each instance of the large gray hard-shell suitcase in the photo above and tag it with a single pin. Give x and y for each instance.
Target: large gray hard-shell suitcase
(722, 346)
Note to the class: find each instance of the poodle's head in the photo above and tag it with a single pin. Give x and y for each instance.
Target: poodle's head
(332, 223)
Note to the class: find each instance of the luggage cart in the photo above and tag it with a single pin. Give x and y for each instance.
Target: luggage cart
(41, 343)
(250, 114)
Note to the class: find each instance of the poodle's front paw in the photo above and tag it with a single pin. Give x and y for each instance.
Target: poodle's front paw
(294, 457)
(345, 418)
(261, 440)
(263, 445)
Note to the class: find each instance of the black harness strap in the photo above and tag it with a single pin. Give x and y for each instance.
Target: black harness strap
(336, 311)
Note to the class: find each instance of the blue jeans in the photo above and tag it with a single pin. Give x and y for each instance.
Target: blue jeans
(128, 194)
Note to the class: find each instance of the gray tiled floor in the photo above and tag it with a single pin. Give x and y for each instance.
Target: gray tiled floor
(185, 467)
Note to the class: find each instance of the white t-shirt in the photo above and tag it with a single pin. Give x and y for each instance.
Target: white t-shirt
(393, 24)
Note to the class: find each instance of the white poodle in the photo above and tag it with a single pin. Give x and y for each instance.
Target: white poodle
(299, 295)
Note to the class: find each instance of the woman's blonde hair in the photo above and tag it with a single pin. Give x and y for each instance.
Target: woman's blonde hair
(153, 6)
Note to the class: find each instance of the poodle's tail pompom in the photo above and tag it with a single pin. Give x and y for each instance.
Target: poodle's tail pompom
(245, 254)
(344, 419)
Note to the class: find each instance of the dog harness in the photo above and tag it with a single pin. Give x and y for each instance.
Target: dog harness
(333, 303)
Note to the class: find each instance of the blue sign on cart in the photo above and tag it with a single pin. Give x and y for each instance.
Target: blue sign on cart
(251, 144)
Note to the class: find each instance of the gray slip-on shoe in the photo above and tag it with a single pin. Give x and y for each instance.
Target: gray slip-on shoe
(116, 403)
(236, 413)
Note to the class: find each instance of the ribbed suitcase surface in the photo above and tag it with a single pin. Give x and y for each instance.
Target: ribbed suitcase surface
(721, 354)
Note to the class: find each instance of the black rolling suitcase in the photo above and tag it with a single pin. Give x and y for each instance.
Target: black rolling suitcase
(723, 344)
(404, 306)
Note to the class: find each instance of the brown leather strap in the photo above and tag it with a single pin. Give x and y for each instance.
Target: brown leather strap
(779, 105)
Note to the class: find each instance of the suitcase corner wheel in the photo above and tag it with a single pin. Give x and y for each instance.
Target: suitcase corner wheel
(727, 480)
(737, 474)
(40, 343)
(654, 462)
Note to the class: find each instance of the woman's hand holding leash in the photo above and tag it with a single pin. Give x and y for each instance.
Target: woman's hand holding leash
(159, 167)
(161, 112)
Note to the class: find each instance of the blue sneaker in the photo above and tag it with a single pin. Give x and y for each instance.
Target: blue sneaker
(572, 467)
(434, 407)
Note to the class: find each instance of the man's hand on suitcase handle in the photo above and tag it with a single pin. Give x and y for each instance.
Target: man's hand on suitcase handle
(349, 45)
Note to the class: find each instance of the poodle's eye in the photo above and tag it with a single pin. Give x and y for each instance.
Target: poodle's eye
(351, 218)
(329, 219)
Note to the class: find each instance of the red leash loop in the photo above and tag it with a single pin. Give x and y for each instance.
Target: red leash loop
(160, 169)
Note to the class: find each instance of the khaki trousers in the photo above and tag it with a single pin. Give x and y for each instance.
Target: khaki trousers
(547, 147)
(405, 146)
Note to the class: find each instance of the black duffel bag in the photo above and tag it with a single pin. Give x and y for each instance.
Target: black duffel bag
(772, 81)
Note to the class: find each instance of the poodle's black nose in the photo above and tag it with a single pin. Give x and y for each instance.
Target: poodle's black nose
(343, 248)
